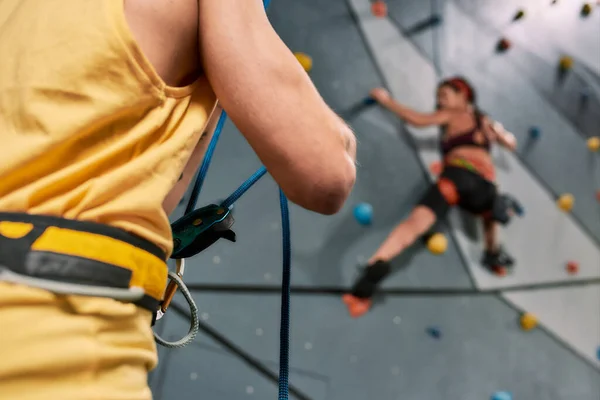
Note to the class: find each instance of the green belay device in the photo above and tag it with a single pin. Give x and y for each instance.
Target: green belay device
(198, 230)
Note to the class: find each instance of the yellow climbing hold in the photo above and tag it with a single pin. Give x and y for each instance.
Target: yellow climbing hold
(437, 243)
(528, 321)
(566, 202)
(305, 60)
(593, 143)
(566, 63)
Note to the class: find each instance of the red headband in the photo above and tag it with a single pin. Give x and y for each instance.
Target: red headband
(462, 86)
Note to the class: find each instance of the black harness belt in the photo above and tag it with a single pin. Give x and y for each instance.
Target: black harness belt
(85, 258)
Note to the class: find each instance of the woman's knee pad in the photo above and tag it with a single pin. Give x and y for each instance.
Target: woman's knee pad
(448, 190)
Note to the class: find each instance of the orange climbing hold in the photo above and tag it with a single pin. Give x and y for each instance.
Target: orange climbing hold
(379, 8)
(357, 307)
(598, 195)
(572, 267)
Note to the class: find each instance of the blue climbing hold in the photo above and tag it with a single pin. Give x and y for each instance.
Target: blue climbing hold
(363, 213)
(585, 94)
(501, 396)
(369, 101)
(434, 332)
(435, 20)
(534, 132)
(598, 353)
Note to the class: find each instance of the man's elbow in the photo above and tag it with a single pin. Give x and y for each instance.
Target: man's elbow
(331, 200)
(329, 194)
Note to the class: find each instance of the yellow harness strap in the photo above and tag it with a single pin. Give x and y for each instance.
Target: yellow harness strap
(58, 249)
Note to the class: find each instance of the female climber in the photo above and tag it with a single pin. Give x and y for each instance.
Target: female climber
(466, 180)
(106, 110)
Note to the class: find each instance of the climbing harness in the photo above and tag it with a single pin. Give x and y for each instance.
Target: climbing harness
(81, 258)
(199, 228)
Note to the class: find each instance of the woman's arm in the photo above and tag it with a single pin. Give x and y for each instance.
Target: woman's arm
(497, 132)
(176, 194)
(412, 117)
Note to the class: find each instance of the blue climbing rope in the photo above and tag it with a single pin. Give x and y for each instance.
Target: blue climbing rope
(284, 331)
(205, 164)
(228, 202)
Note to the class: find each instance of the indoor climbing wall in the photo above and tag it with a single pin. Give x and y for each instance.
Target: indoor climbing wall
(443, 327)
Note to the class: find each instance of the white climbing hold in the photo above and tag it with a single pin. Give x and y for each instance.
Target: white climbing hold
(308, 346)
(216, 260)
(267, 276)
(204, 316)
(249, 389)
(397, 320)
(193, 376)
(259, 332)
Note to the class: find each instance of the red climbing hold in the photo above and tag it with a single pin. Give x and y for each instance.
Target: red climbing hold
(572, 267)
(379, 8)
(504, 44)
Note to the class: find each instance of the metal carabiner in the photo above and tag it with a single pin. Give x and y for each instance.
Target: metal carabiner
(171, 288)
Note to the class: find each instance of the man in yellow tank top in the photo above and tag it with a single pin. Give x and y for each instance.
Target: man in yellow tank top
(106, 110)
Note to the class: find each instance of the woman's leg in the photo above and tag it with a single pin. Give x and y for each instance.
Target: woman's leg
(433, 206)
(378, 268)
(405, 234)
(490, 233)
(494, 256)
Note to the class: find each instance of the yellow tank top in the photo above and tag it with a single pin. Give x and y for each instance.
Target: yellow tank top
(88, 130)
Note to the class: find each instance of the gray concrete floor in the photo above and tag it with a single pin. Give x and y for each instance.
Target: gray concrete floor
(386, 354)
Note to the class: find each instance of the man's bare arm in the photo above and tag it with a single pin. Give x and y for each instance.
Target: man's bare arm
(307, 148)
